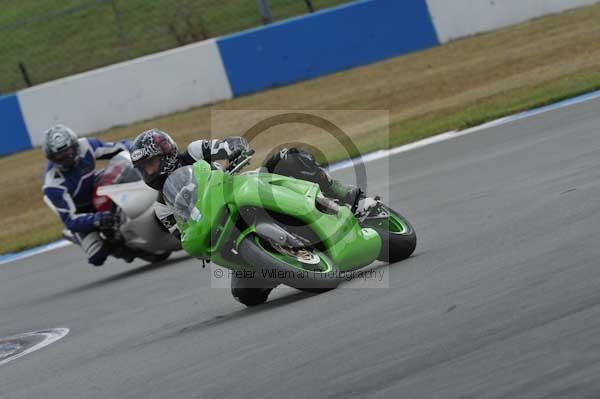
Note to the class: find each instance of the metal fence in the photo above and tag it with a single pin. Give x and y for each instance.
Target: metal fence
(49, 39)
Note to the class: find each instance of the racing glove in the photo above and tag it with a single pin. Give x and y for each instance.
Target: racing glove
(105, 221)
(235, 154)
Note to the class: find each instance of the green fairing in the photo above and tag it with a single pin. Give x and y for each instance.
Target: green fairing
(221, 196)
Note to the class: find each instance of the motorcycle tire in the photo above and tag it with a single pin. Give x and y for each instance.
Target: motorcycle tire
(270, 264)
(398, 238)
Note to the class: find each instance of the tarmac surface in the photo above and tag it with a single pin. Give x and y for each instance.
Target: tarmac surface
(500, 299)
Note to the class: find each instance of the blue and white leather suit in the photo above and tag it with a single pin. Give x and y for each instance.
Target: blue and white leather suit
(70, 194)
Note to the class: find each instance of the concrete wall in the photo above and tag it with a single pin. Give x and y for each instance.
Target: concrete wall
(124, 93)
(459, 18)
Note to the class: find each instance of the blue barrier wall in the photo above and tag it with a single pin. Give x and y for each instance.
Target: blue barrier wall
(325, 42)
(14, 132)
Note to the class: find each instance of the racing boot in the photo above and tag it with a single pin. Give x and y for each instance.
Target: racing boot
(354, 196)
(122, 252)
(344, 193)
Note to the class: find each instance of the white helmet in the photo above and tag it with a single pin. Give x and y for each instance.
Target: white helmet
(61, 146)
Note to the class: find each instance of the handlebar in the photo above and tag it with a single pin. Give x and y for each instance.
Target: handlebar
(238, 161)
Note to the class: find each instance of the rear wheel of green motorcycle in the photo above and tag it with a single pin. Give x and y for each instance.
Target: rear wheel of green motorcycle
(398, 238)
(318, 276)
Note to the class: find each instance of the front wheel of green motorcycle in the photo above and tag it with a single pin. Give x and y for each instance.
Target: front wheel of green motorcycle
(306, 269)
(398, 238)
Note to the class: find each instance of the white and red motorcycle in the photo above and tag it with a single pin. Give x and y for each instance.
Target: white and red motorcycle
(120, 189)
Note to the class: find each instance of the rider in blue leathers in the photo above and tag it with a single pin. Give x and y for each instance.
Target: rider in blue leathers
(68, 187)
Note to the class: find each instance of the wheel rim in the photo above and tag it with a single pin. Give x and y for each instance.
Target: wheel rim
(393, 224)
(320, 266)
(397, 225)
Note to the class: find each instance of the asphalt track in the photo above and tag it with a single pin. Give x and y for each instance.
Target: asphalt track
(500, 299)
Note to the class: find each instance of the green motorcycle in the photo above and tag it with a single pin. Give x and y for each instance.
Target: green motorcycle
(278, 228)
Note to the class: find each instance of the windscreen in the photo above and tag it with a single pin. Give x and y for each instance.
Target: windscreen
(180, 193)
(119, 170)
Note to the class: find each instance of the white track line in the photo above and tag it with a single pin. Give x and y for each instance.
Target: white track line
(33, 251)
(50, 336)
(373, 156)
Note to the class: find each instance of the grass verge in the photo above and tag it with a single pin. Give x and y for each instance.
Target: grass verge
(57, 38)
(455, 86)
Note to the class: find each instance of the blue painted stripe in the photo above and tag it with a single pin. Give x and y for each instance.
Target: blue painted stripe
(14, 132)
(329, 41)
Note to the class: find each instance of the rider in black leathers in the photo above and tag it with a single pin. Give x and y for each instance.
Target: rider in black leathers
(155, 154)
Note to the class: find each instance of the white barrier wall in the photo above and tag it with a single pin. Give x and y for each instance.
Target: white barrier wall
(457, 18)
(144, 88)
(353, 34)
